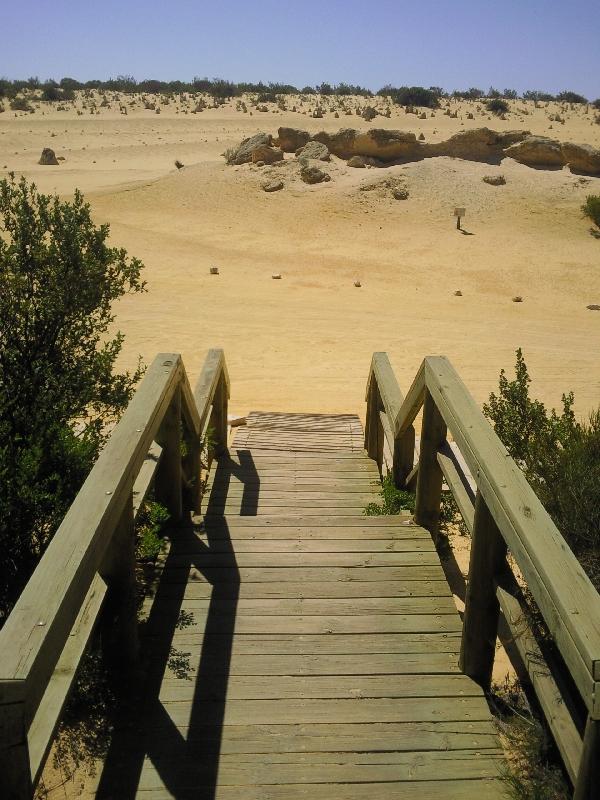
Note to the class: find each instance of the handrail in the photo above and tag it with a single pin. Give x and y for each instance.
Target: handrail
(92, 555)
(505, 513)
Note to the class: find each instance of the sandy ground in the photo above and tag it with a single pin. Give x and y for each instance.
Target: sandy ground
(304, 343)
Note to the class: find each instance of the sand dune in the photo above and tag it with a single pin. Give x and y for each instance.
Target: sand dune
(304, 342)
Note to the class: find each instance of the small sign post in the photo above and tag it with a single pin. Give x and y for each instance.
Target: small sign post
(458, 213)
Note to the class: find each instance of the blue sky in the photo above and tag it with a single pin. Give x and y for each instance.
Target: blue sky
(539, 44)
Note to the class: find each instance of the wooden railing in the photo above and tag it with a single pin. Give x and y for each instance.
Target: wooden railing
(88, 569)
(502, 513)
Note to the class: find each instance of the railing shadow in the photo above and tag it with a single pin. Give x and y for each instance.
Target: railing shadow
(181, 737)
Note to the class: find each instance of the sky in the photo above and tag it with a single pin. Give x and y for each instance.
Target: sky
(522, 44)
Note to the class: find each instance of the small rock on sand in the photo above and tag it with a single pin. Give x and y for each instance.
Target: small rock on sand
(272, 186)
(48, 158)
(357, 161)
(313, 175)
(494, 180)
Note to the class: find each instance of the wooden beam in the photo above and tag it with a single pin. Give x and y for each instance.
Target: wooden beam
(556, 711)
(45, 722)
(15, 771)
(480, 621)
(120, 638)
(429, 478)
(168, 484)
(458, 484)
(587, 786)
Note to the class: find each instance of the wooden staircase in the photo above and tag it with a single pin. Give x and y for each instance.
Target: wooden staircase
(323, 644)
(294, 647)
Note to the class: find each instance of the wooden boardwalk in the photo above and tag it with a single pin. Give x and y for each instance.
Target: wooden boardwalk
(298, 649)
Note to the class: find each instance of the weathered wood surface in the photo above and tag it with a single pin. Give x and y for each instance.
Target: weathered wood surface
(298, 649)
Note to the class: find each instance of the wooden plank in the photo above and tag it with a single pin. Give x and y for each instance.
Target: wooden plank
(555, 710)
(308, 769)
(458, 484)
(404, 790)
(338, 738)
(358, 710)
(142, 483)
(326, 687)
(564, 593)
(47, 717)
(306, 574)
(315, 589)
(352, 606)
(213, 368)
(314, 545)
(330, 624)
(388, 664)
(308, 559)
(321, 644)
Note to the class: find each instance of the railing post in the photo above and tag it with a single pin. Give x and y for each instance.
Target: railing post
(15, 771)
(480, 621)
(168, 482)
(120, 639)
(220, 406)
(587, 785)
(404, 456)
(429, 478)
(373, 426)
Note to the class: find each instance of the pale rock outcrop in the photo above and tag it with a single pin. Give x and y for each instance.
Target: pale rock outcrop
(316, 150)
(243, 154)
(290, 139)
(385, 145)
(478, 144)
(266, 154)
(581, 158)
(537, 151)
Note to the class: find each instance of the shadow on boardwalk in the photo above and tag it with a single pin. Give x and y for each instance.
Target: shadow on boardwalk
(184, 758)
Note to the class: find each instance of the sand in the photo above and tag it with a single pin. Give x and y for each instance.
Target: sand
(304, 343)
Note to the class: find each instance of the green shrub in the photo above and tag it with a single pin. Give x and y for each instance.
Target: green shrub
(51, 93)
(560, 458)
(497, 106)
(58, 387)
(20, 104)
(394, 500)
(149, 529)
(412, 96)
(591, 208)
(571, 97)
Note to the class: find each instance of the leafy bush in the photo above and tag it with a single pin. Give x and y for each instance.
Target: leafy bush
(560, 458)
(412, 96)
(591, 208)
(497, 106)
(51, 93)
(20, 104)
(394, 500)
(58, 388)
(536, 94)
(571, 97)
(150, 523)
